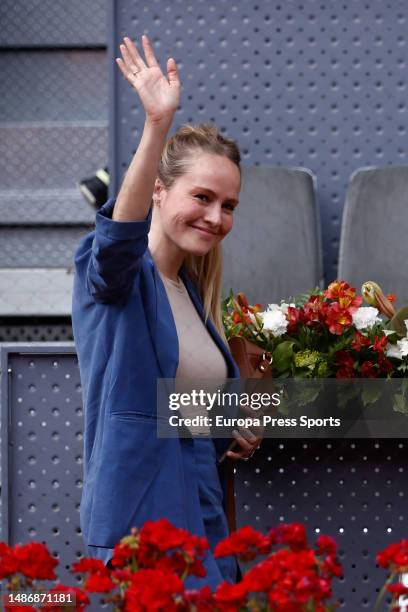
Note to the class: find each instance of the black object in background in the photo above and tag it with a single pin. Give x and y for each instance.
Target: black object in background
(95, 188)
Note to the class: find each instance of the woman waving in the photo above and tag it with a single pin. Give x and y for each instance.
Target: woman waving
(146, 305)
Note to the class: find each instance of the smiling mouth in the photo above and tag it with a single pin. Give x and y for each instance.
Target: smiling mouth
(204, 231)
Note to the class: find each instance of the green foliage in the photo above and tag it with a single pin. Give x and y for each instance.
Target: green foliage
(282, 356)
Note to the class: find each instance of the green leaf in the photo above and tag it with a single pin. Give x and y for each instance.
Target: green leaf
(370, 395)
(400, 404)
(397, 321)
(307, 395)
(346, 394)
(283, 355)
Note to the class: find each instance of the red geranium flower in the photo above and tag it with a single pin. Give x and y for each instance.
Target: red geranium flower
(326, 545)
(230, 597)
(90, 565)
(394, 557)
(202, 599)
(245, 542)
(121, 575)
(178, 563)
(153, 591)
(158, 539)
(292, 534)
(331, 567)
(81, 599)
(8, 561)
(122, 554)
(35, 561)
(98, 583)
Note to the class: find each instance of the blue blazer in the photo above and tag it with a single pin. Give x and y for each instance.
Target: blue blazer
(126, 338)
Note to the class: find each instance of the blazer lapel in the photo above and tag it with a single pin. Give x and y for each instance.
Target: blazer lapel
(162, 325)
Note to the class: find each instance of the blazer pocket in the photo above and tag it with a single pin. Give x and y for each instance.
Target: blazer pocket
(132, 415)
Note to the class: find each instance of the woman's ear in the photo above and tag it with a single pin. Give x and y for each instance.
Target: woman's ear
(157, 192)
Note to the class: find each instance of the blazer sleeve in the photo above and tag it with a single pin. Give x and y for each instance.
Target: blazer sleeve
(115, 255)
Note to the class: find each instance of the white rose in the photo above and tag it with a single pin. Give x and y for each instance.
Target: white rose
(399, 351)
(365, 317)
(274, 321)
(282, 307)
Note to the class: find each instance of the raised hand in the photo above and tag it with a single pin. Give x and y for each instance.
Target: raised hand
(159, 95)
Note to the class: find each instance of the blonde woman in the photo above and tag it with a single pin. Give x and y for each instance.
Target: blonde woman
(146, 305)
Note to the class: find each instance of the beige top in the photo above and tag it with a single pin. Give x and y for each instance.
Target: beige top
(199, 356)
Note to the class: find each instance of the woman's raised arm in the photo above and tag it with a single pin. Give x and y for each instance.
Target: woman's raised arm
(160, 96)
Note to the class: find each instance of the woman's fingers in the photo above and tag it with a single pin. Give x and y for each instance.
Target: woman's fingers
(148, 51)
(248, 443)
(245, 439)
(172, 72)
(133, 53)
(122, 67)
(130, 66)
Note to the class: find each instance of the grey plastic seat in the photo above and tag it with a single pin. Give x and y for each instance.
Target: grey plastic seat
(274, 249)
(374, 233)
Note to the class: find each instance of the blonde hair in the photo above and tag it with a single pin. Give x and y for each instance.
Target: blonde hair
(205, 271)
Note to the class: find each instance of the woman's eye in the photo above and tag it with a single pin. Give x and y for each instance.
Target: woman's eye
(229, 206)
(202, 195)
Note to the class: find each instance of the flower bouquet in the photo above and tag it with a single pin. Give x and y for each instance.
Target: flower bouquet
(327, 334)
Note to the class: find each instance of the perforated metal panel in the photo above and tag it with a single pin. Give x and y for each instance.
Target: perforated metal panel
(41, 246)
(51, 154)
(36, 291)
(353, 490)
(41, 401)
(52, 23)
(301, 83)
(53, 85)
(58, 207)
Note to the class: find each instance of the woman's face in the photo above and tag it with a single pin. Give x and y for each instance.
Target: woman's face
(197, 211)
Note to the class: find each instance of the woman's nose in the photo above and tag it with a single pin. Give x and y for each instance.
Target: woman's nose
(213, 215)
